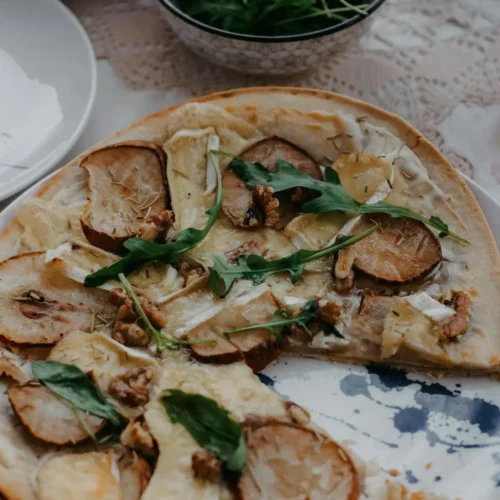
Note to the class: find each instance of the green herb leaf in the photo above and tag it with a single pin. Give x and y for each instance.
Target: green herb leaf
(159, 337)
(278, 320)
(222, 274)
(211, 426)
(333, 331)
(276, 17)
(283, 318)
(142, 251)
(71, 384)
(332, 194)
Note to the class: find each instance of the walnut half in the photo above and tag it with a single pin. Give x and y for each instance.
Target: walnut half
(131, 388)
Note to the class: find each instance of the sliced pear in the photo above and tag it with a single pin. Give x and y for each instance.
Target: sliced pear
(135, 474)
(287, 461)
(238, 202)
(219, 352)
(257, 347)
(362, 174)
(400, 251)
(127, 185)
(40, 306)
(48, 417)
(80, 476)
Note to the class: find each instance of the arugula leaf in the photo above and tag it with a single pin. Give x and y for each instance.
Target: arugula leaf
(71, 384)
(142, 251)
(159, 337)
(278, 17)
(332, 194)
(222, 274)
(210, 425)
(279, 319)
(284, 318)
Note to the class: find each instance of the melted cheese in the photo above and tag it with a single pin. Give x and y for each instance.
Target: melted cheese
(213, 144)
(77, 259)
(406, 326)
(430, 307)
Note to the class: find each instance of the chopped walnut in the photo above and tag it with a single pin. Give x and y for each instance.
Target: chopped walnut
(251, 247)
(128, 328)
(459, 324)
(343, 285)
(118, 297)
(130, 334)
(300, 334)
(329, 312)
(131, 388)
(136, 436)
(190, 271)
(263, 198)
(156, 226)
(206, 466)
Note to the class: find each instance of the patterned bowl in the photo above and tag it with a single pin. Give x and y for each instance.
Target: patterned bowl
(265, 55)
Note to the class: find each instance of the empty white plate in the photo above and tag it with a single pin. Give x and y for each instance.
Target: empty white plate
(47, 41)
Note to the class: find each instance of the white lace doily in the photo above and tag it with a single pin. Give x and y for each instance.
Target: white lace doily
(434, 62)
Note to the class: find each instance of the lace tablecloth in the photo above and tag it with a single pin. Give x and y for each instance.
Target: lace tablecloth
(436, 63)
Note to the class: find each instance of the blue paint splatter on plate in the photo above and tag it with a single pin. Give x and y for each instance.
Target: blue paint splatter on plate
(431, 398)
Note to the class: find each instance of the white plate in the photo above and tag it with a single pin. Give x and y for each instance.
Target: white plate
(442, 436)
(50, 44)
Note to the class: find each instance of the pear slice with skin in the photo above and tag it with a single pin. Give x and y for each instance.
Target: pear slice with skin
(127, 185)
(48, 417)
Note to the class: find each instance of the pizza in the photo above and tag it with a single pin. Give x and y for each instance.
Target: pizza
(148, 280)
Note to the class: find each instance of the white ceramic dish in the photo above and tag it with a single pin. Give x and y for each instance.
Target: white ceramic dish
(442, 436)
(50, 44)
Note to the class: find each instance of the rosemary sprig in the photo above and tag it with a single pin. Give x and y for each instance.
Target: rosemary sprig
(161, 340)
